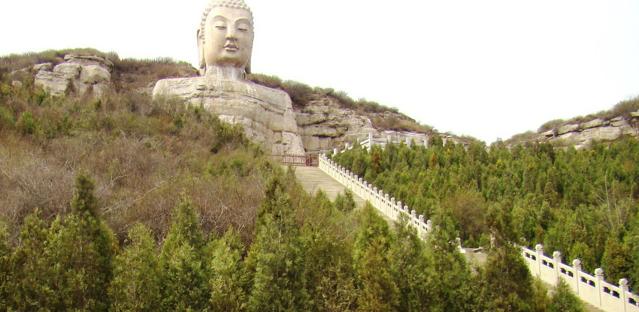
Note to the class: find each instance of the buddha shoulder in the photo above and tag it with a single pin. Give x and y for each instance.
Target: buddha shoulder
(204, 86)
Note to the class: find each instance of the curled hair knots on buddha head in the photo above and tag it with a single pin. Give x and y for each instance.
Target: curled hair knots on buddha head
(234, 4)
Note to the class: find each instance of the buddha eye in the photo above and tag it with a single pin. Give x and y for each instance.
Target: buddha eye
(220, 25)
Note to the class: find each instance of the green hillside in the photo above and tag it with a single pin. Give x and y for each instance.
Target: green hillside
(584, 203)
(127, 204)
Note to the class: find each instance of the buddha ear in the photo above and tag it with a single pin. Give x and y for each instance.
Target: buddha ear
(247, 70)
(200, 50)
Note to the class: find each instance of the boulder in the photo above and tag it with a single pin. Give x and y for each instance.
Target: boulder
(43, 66)
(619, 122)
(81, 74)
(567, 128)
(598, 122)
(635, 114)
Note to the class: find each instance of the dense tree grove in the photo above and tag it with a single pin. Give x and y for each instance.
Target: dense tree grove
(580, 202)
(126, 204)
(307, 255)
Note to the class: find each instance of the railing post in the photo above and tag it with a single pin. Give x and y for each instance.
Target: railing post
(623, 286)
(556, 257)
(599, 273)
(540, 254)
(577, 265)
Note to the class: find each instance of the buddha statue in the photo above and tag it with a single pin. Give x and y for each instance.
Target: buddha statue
(225, 45)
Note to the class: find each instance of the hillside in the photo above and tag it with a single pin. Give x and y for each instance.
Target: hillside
(326, 118)
(610, 125)
(120, 203)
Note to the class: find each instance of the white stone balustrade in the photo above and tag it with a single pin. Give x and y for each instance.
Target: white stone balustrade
(591, 289)
(381, 201)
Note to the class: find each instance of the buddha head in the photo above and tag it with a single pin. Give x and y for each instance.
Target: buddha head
(225, 36)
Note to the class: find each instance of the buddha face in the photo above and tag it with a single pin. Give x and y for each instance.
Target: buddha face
(228, 38)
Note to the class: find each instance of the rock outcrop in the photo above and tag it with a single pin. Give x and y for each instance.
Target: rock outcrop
(79, 75)
(323, 125)
(265, 114)
(584, 133)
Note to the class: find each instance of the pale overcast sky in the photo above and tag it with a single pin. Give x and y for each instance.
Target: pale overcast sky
(486, 68)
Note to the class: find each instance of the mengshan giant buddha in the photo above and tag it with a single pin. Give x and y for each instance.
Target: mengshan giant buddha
(225, 45)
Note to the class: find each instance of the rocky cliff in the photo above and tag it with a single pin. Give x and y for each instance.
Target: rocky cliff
(623, 120)
(584, 133)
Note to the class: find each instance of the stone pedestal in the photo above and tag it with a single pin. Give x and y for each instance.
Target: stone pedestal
(265, 114)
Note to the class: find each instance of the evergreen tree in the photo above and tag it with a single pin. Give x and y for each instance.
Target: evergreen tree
(328, 261)
(182, 268)
(411, 270)
(32, 276)
(229, 281)
(452, 287)
(345, 203)
(275, 259)
(540, 296)
(507, 282)
(563, 300)
(136, 283)
(617, 260)
(376, 288)
(80, 249)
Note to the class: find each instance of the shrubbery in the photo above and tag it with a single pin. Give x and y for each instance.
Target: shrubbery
(583, 203)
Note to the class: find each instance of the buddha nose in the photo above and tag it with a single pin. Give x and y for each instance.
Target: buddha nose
(231, 33)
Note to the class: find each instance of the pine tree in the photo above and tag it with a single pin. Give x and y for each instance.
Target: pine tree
(275, 259)
(345, 203)
(617, 259)
(376, 288)
(229, 281)
(452, 287)
(183, 273)
(563, 300)
(32, 268)
(507, 281)
(80, 248)
(411, 270)
(328, 261)
(136, 283)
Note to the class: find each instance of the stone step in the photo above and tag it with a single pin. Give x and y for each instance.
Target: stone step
(313, 179)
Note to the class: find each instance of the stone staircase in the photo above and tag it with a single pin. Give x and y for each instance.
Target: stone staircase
(313, 179)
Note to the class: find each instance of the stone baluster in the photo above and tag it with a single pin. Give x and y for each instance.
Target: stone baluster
(623, 286)
(393, 209)
(556, 257)
(429, 225)
(540, 254)
(599, 274)
(386, 206)
(576, 264)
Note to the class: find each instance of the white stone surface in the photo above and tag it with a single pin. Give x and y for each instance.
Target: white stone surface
(265, 114)
(80, 74)
(567, 128)
(598, 122)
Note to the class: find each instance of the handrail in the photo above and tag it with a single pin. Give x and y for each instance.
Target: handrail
(591, 289)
